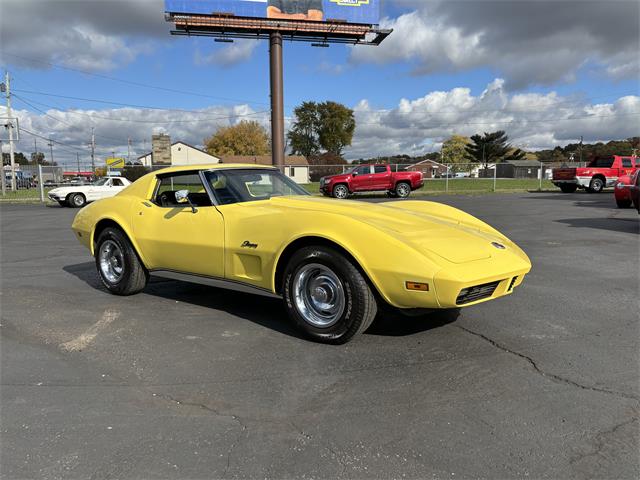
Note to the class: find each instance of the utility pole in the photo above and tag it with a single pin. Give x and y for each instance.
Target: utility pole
(78, 160)
(50, 144)
(7, 89)
(278, 144)
(129, 151)
(580, 147)
(93, 151)
(4, 177)
(35, 150)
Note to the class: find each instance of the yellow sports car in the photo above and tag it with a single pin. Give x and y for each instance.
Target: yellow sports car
(334, 263)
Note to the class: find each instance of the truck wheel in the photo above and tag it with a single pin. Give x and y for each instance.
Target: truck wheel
(596, 185)
(76, 200)
(391, 194)
(340, 191)
(568, 187)
(403, 189)
(623, 203)
(118, 265)
(327, 296)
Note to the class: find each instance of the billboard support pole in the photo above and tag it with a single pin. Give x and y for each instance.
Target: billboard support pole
(277, 103)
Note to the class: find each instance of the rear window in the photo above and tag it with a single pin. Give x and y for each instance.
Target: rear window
(601, 162)
(380, 169)
(626, 162)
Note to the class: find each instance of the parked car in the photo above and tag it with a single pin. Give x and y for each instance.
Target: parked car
(626, 190)
(332, 262)
(601, 172)
(79, 195)
(371, 178)
(622, 191)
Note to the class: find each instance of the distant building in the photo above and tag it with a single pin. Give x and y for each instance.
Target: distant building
(518, 169)
(296, 167)
(429, 168)
(178, 153)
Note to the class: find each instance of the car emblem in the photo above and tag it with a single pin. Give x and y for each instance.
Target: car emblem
(499, 246)
(248, 244)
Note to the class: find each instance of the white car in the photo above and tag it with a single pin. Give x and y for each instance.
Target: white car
(79, 195)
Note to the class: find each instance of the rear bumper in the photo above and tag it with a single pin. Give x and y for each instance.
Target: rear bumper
(582, 182)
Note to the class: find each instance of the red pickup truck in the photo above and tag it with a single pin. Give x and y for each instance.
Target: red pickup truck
(601, 172)
(371, 178)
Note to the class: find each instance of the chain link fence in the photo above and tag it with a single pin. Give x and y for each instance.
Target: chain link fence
(33, 182)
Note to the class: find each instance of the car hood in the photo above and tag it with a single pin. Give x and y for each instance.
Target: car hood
(448, 232)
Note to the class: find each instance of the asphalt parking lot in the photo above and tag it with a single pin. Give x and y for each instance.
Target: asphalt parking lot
(185, 381)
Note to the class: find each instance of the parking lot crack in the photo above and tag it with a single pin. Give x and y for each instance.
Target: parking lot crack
(600, 441)
(552, 376)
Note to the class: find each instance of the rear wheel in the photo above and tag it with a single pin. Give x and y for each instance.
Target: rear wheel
(77, 200)
(568, 187)
(327, 296)
(403, 190)
(340, 191)
(118, 265)
(596, 185)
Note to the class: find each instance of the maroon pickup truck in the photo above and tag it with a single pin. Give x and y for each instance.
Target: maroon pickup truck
(371, 178)
(601, 172)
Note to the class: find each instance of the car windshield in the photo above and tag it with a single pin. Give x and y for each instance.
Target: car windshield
(249, 185)
(100, 182)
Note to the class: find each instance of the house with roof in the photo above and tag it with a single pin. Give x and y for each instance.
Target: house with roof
(296, 167)
(429, 168)
(165, 153)
(518, 169)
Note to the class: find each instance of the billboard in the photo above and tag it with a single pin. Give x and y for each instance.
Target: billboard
(351, 11)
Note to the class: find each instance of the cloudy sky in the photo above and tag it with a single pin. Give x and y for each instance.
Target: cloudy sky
(546, 71)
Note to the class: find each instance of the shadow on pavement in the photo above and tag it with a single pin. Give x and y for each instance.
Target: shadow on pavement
(264, 311)
(581, 199)
(624, 225)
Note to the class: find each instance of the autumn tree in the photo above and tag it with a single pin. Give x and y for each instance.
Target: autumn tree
(492, 148)
(317, 127)
(244, 138)
(454, 151)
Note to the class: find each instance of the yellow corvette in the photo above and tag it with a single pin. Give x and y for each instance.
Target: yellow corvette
(332, 262)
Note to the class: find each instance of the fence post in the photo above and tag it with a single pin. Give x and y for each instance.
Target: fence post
(541, 172)
(495, 174)
(446, 181)
(41, 183)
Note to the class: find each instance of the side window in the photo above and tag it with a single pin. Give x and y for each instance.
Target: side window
(116, 182)
(380, 169)
(366, 170)
(626, 163)
(168, 185)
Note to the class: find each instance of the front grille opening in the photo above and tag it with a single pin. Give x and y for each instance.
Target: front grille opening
(477, 292)
(512, 283)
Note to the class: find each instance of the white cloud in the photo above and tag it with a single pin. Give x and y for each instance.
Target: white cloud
(528, 42)
(414, 126)
(231, 54)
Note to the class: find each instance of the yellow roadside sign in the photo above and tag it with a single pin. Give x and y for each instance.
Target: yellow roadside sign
(115, 162)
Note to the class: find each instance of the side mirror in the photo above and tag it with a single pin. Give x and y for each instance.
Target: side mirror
(182, 196)
(354, 174)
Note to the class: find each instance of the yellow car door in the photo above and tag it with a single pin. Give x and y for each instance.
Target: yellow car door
(182, 237)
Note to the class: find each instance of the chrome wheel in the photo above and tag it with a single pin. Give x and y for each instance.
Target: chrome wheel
(403, 190)
(111, 261)
(319, 295)
(340, 191)
(78, 200)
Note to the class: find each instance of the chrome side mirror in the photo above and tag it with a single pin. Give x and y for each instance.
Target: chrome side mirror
(182, 196)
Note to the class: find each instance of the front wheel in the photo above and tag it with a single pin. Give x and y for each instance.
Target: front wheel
(340, 191)
(327, 296)
(596, 185)
(568, 187)
(77, 200)
(118, 265)
(63, 203)
(403, 190)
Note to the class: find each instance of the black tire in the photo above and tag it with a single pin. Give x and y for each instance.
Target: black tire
(76, 200)
(63, 203)
(596, 185)
(402, 190)
(340, 191)
(568, 187)
(391, 194)
(623, 203)
(134, 276)
(359, 302)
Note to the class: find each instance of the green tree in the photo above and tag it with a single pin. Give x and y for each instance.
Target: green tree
(454, 151)
(326, 126)
(244, 138)
(492, 148)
